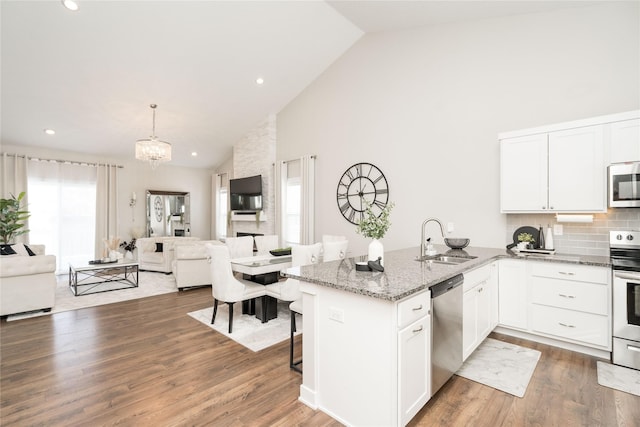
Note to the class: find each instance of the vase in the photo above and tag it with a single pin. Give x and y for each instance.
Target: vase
(376, 250)
(128, 255)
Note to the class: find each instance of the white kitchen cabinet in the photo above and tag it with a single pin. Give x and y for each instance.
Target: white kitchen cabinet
(476, 308)
(493, 290)
(512, 293)
(560, 171)
(571, 302)
(625, 141)
(414, 359)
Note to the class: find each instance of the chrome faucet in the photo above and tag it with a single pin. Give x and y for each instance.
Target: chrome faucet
(422, 246)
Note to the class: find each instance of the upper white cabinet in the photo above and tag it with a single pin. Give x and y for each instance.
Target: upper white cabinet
(560, 171)
(625, 141)
(562, 167)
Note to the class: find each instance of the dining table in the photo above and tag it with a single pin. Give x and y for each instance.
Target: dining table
(264, 269)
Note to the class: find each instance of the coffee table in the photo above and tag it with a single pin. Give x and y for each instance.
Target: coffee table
(88, 278)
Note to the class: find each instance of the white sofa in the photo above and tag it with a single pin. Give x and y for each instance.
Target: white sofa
(191, 266)
(27, 283)
(150, 260)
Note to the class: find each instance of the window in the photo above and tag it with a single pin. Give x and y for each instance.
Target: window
(292, 211)
(222, 203)
(62, 204)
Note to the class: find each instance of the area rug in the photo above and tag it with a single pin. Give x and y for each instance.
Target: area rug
(149, 284)
(503, 366)
(618, 378)
(247, 329)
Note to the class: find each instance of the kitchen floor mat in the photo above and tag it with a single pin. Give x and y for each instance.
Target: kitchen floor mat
(619, 378)
(501, 365)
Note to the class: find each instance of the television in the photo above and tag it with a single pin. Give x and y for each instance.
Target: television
(246, 193)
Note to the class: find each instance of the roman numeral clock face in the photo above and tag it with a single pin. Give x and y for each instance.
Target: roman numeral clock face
(362, 183)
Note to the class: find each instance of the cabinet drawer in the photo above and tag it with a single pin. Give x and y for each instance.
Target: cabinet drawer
(473, 277)
(580, 273)
(573, 325)
(587, 297)
(413, 308)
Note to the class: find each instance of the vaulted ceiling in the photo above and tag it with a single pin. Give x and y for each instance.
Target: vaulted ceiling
(91, 74)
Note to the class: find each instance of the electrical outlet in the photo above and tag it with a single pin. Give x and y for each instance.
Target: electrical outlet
(450, 227)
(336, 314)
(557, 229)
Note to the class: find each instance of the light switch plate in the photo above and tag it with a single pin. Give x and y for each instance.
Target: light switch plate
(557, 229)
(450, 227)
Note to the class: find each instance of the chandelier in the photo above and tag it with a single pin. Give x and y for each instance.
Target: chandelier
(151, 149)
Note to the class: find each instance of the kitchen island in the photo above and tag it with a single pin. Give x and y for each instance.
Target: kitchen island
(367, 335)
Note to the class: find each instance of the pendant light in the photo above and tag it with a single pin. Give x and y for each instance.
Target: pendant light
(151, 149)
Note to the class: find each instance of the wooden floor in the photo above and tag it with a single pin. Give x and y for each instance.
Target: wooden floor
(145, 362)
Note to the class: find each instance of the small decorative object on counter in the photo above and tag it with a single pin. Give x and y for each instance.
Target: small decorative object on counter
(526, 241)
(548, 244)
(375, 227)
(376, 265)
(541, 238)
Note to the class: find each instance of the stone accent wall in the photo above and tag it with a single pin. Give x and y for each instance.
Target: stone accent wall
(580, 238)
(255, 154)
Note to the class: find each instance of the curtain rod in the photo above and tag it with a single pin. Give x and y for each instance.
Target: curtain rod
(293, 160)
(61, 161)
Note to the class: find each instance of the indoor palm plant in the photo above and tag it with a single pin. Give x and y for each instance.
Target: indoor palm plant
(375, 227)
(12, 217)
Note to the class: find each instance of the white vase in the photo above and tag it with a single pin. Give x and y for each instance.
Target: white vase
(376, 250)
(128, 255)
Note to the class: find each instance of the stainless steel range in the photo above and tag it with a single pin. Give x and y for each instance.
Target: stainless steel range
(625, 258)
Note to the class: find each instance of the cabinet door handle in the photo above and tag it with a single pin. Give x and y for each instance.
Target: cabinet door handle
(417, 308)
(418, 330)
(567, 273)
(633, 348)
(567, 296)
(565, 325)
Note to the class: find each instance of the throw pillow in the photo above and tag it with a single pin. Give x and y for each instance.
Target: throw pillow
(20, 249)
(7, 250)
(158, 247)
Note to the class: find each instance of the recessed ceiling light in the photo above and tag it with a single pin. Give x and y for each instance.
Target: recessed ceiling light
(194, 154)
(70, 4)
(50, 131)
(259, 80)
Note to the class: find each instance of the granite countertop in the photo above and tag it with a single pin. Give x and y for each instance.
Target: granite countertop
(404, 275)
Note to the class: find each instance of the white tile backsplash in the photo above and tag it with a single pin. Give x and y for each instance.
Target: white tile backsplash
(580, 238)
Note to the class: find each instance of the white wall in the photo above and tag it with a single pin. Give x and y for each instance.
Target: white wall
(137, 176)
(426, 105)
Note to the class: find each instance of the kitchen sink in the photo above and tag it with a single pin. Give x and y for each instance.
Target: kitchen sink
(445, 259)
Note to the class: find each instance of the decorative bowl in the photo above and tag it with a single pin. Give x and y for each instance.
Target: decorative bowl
(456, 242)
(280, 252)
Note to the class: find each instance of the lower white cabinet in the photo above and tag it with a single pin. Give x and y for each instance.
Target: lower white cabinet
(512, 290)
(479, 307)
(414, 359)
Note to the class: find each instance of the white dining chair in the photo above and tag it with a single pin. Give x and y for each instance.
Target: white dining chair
(334, 250)
(289, 290)
(225, 286)
(264, 244)
(240, 247)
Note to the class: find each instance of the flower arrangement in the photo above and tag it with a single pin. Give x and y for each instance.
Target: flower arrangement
(129, 247)
(375, 226)
(526, 237)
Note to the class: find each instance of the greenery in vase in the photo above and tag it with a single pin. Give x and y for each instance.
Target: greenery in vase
(375, 226)
(12, 217)
(526, 237)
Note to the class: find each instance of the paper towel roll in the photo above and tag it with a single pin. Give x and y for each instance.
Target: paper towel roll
(574, 218)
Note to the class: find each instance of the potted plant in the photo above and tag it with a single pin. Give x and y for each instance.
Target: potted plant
(375, 227)
(12, 217)
(525, 241)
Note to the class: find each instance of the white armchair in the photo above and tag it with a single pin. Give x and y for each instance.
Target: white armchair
(191, 264)
(157, 253)
(27, 283)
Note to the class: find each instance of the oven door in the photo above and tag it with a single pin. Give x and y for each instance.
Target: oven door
(626, 305)
(624, 185)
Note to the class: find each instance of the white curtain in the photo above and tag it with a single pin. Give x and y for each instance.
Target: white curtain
(62, 207)
(14, 181)
(106, 207)
(295, 200)
(221, 183)
(307, 225)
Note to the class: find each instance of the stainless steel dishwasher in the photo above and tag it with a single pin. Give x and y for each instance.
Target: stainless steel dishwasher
(446, 330)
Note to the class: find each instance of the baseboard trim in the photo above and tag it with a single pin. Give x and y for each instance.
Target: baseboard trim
(603, 354)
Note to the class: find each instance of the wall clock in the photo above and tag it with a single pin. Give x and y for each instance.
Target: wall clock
(157, 205)
(360, 184)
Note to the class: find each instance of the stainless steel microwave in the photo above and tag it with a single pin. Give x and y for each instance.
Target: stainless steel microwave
(624, 185)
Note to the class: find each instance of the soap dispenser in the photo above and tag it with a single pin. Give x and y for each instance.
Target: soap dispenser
(430, 249)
